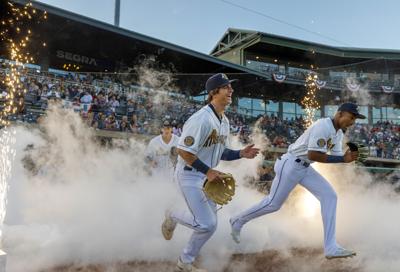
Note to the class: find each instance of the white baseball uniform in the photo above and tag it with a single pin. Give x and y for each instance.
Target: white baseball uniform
(204, 135)
(159, 152)
(292, 169)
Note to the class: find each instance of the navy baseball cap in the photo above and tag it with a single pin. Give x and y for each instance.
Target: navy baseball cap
(352, 108)
(166, 123)
(218, 80)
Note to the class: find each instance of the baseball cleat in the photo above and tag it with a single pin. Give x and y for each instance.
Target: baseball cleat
(235, 233)
(168, 226)
(341, 253)
(184, 267)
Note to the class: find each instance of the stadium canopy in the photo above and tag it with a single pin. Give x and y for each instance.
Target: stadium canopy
(337, 66)
(96, 46)
(302, 52)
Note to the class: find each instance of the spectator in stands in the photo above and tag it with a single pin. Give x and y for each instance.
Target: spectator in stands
(133, 126)
(280, 142)
(53, 94)
(124, 124)
(102, 101)
(176, 129)
(145, 128)
(86, 98)
(379, 149)
(265, 173)
(101, 121)
(33, 87)
(113, 103)
(72, 92)
(111, 122)
(130, 107)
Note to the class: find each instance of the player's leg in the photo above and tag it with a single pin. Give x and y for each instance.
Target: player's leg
(323, 191)
(202, 218)
(169, 224)
(190, 184)
(286, 178)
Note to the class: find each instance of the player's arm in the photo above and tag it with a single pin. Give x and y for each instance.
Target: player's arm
(317, 148)
(230, 155)
(196, 163)
(248, 152)
(151, 161)
(150, 155)
(318, 156)
(188, 157)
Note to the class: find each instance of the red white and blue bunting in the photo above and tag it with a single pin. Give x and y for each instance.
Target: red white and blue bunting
(279, 77)
(352, 85)
(320, 83)
(387, 89)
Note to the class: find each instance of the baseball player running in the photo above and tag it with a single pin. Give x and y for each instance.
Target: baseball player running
(201, 146)
(321, 142)
(159, 149)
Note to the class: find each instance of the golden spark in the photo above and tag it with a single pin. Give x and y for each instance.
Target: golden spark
(310, 102)
(17, 35)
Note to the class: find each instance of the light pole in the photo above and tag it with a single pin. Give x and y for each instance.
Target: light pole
(117, 12)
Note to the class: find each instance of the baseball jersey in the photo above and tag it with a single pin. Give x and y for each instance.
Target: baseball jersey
(159, 151)
(205, 135)
(320, 136)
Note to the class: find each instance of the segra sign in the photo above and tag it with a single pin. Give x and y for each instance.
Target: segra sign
(76, 57)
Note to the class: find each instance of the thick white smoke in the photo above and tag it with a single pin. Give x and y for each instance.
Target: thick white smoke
(81, 203)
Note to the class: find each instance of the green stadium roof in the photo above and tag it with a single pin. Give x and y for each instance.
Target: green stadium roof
(239, 37)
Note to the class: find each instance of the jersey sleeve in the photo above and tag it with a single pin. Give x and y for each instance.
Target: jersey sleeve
(194, 135)
(318, 139)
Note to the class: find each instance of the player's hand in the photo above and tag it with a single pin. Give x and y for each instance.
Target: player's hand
(350, 156)
(249, 152)
(214, 175)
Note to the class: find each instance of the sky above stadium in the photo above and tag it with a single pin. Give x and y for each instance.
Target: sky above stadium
(199, 25)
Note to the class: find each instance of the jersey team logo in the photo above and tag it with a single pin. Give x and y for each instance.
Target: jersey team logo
(321, 142)
(189, 141)
(211, 139)
(214, 138)
(330, 144)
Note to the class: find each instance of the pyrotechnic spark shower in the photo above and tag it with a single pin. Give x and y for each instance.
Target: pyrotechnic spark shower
(16, 33)
(311, 105)
(310, 102)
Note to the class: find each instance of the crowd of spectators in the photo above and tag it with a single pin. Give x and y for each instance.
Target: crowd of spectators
(281, 132)
(383, 138)
(105, 103)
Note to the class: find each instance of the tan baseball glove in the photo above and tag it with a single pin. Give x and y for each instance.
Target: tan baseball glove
(220, 191)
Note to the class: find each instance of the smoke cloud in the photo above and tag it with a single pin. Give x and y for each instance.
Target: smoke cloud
(72, 201)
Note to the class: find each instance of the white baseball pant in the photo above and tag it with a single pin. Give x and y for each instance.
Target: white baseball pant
(289, 173)
(201, 216)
